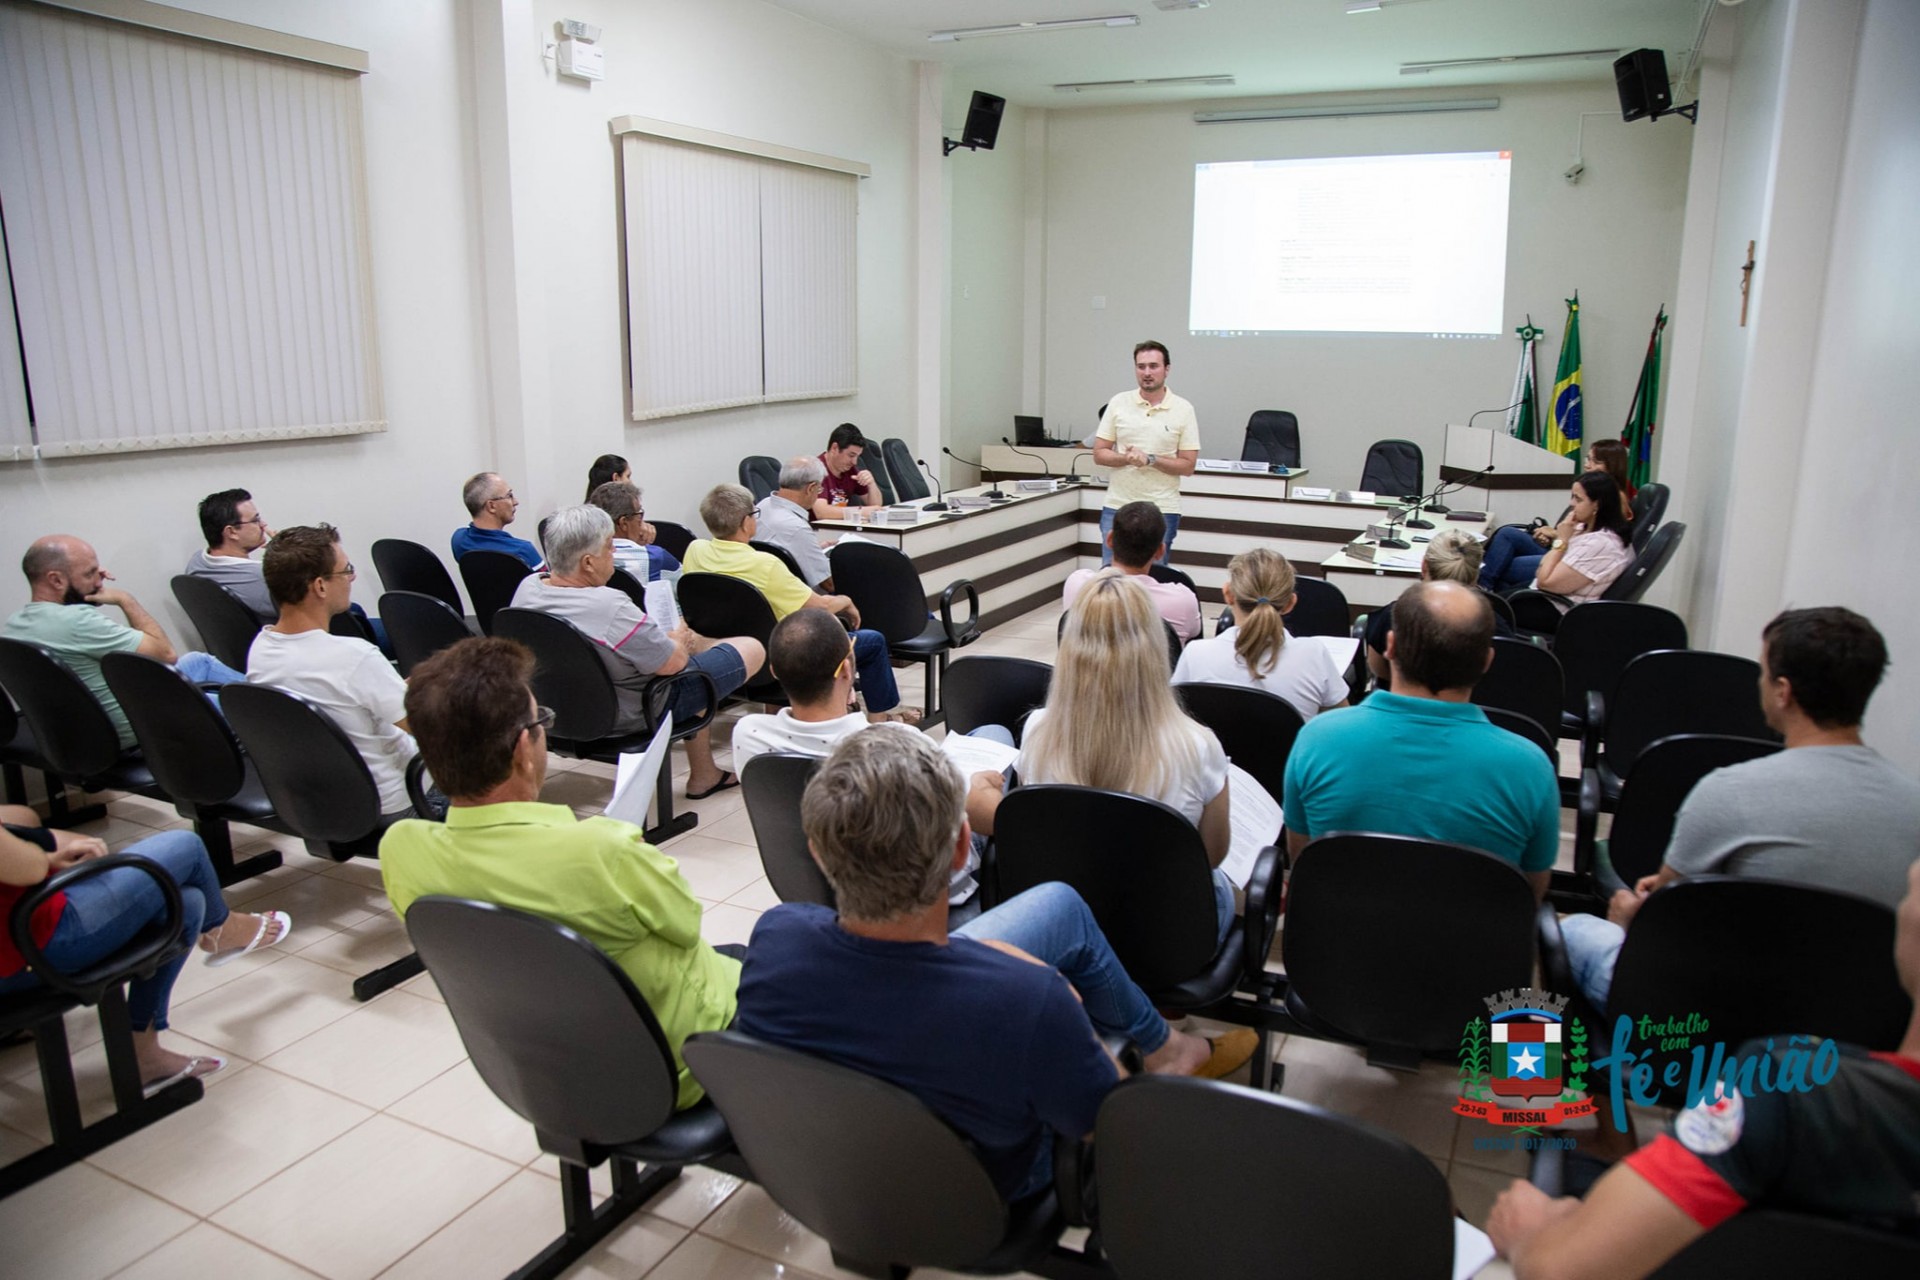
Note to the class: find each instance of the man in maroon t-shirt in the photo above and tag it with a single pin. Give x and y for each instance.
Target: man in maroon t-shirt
(847, 483)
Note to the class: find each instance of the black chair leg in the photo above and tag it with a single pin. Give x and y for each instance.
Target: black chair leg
(123, 1066)
(61, 814)
(669, 826)
(587, 1225)
(387, 977)
(215, 834)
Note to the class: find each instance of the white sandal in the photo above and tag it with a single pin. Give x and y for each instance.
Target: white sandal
(258, 942)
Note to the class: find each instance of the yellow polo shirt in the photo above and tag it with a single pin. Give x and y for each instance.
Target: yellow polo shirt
(1160, 429)
(738, 560)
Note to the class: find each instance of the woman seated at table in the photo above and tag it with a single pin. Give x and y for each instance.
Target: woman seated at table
(1591, 546)
(1112, 721)
(1256, 650)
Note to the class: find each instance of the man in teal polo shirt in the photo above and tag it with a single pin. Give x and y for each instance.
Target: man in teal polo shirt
(1422, 760)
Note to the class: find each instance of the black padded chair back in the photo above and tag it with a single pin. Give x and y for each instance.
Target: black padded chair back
(1527, 727)
(69, 724)
(1140, 866)
(1711, 945)
(568, 675)
(717, 605)
(760, 474)
(884, 586)
(1446, 925)
(1598, 639)
(1273, 437)
(995, 690)
(1649, 509)
(1319, 609)
(185, 742)
(552, 1025)
(491, 577)
(408, 566)
(1768, 1242)
(1394, 468)
(675, 538)
(772, 785)
(1256, 728)
(781, 554)
(1661, 778)
(1673, 691)
(226, 626)
(1501, 609)
(419, 625)
(858, 1161)
(1167, 573)
(1174, 643)
(1633, 583)
(907, 479)
(1525, 679)
(634, 590)
(1305, 1189)
(319, 785)
(884, 478)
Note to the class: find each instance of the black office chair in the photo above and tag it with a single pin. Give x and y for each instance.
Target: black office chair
(1650, 796)
(1447, 925)
(672, 536)
(1524, 679)
(760, 474)
(491, 577)
(1320, 609)
(1647, 566)
(1273, 437)
(226, 626)
(561, 1036)
(883, 478)
(1175, 645)
(408, 566)
(41, 1011)
(1667, 692)
(1595, 643)
(869, 1167)
(1649, 509)
(1394, 468)
(1167, 573)
(630, 586)
(1255, 728)
(1142, 869)
(781, 554)
(1771, 1242)
(70, 728)
(19, 752)
(772, 785)
(908, 481)
(885, 587)
(715, 604)
(570, 678)
(991, 689)
(1527, 727)
(419, 625)
(194, 757)
(1303, 1198)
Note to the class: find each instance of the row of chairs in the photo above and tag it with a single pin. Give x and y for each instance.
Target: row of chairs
(892, 466)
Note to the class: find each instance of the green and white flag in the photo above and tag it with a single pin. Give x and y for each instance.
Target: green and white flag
(1523, 406)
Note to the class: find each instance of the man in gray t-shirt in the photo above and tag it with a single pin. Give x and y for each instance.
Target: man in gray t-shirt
(234, 530)
(1829, 811)
(785, 520)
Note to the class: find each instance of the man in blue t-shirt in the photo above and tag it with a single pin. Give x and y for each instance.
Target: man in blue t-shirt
(1422, 760)
(491, 503)
(980, 1024)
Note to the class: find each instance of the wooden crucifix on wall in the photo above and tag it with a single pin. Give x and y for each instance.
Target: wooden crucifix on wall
(1746, 283)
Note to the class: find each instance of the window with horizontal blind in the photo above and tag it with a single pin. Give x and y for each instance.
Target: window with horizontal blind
(186, 242)
(740, 273)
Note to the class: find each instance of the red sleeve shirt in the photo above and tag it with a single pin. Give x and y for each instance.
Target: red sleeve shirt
(45, 919)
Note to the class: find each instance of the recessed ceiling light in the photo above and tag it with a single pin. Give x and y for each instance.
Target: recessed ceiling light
(1571, 55)
(1027, 28)
(1174, 6)
(1156, 82)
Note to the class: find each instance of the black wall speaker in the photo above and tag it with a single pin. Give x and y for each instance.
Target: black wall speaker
(983, 120)
(1641, 78)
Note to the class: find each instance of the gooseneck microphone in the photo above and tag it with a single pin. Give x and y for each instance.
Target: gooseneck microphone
(1040, 458)
(939, 502)
(992, 494)
(1073, 476)
(1432, 501)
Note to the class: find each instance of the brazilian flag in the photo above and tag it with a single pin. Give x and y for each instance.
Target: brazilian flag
(1638, 433)
(1563, 433)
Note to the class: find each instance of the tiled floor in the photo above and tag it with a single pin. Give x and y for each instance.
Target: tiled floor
(352, 1141)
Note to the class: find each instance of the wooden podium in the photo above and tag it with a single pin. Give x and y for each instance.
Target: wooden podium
(1527, 481)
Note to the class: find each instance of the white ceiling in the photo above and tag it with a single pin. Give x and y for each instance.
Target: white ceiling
(1270, 47)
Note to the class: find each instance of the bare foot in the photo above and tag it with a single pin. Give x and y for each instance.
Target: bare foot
(238, 930)
(1181, 1055)
(157, 1063)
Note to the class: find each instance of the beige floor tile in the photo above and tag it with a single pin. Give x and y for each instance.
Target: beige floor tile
(117, 830)
(196, 978)
(318, 903)
(379, 1053)
(723, 924)
(22, 1061)
(577, 788)
(715, 869)
(736, 828)
(208, 1253)
(1474, 1191)
(700, 1257)
(758, 896)
(143, 809)
(23, 1103)
(14, 1144)
(457, 1104)
(717, 806)
(517, 1221)
(374, 942)
(250, 1125)
(694, 1195)
(750, 1220)
(423, 986)
(81, 1224)
(238, 895)
(358, 1204)
(364, 872)
(268, 1010)
(1419, 1108)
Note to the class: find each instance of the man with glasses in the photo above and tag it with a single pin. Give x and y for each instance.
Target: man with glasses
(633, 546)
(781, 518)
(311, 580)
(491, 503)
(234, 530)
(484, 739)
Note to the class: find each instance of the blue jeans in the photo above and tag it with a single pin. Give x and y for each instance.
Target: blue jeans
(729, 672)
(1051, 923)
(204, 668)
(875, 669)
(1106, 527)
(1512, 560)
(1593, 947)
(103, 913)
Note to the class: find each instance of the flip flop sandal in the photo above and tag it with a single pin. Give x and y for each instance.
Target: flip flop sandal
(258, 942)
(727, 783)
(194, 1070)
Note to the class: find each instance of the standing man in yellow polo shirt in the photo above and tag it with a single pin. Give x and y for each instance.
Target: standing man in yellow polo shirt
(1148, 438)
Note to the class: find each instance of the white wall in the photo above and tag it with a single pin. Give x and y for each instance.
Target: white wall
(987, 293)
(1119, 206)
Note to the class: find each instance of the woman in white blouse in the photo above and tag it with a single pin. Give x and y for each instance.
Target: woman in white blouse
(1592, 546)
(1257, 651)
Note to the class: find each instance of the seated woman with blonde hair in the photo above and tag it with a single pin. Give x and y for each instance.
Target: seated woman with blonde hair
(1256, 650)
(1112, 721)
(1454, 555)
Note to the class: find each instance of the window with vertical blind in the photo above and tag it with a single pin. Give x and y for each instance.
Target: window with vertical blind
(185, 236)
(740, 271)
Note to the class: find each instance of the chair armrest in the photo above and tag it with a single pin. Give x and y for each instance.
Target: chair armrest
(1555, 970)
(1593, 730)
(133, 962)
(1586, 822)
(1534, 611)
(660, 693)
(425, 803)
(969, 630)
(1265, 894)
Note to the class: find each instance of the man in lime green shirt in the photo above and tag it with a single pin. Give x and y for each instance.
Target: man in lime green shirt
(484, 739)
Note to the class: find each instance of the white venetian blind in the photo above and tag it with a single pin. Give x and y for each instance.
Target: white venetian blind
(741, 275)
(186, 236)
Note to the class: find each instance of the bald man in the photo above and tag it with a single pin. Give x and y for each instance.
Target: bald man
(65, 577)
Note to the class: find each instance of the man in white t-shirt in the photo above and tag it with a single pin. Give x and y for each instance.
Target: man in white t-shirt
(1134, 541)
(812, 657)
(311, 580)
(1148, 438)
